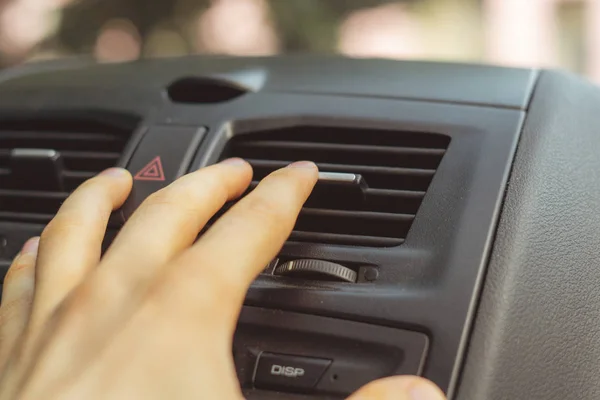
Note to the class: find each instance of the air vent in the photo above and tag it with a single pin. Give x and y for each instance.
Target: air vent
(43, 160)
(397, 167)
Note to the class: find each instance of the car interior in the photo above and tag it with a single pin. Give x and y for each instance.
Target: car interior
(453, 232)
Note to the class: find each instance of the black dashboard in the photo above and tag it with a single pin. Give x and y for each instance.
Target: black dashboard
(453, 235)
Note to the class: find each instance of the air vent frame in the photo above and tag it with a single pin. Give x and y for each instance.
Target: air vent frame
(398, 166)
(114, 132)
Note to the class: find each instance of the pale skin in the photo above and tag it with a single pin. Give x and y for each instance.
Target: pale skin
(154, 318)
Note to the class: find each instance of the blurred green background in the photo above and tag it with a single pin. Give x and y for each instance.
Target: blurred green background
(548, 33)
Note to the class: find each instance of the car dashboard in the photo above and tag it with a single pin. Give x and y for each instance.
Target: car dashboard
(453, 233)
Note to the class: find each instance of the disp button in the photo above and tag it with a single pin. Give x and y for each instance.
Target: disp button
(288, 372)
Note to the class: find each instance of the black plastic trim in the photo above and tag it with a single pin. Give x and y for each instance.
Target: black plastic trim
(430, 283)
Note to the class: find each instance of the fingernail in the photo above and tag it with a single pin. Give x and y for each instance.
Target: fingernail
(424, 391)
(234, 161)
(303, 164)
(113, 172)
(31, 246)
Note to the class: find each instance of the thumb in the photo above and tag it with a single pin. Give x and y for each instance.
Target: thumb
(399, 388)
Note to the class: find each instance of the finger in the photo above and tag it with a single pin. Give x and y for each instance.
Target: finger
(169, 221)
(219, 268)
(19, 285)
(399, 388)
(70, 245)
(166, 222)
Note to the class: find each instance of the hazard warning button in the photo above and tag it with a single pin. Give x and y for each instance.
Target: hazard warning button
(164, 154)
(153, 171)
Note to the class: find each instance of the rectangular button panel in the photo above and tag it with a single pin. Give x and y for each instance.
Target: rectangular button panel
(279, 351)
(163, 155)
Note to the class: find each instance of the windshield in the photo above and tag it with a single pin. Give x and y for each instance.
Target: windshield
(539, 33)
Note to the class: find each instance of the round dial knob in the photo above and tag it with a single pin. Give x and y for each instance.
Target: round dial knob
(316, 270)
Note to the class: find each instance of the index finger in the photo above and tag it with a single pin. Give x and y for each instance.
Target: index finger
(238, 246)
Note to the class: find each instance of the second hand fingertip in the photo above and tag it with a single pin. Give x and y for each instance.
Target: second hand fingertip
(114, 172)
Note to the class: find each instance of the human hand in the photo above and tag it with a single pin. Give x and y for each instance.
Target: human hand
(155, 317)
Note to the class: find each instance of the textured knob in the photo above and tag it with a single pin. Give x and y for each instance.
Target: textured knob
(316, 270)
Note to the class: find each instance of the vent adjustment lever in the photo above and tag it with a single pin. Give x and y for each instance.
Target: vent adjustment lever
(39, 168)
(316, 270)
(351, 187)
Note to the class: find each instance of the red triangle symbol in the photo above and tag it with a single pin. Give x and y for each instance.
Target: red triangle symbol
(153, 171)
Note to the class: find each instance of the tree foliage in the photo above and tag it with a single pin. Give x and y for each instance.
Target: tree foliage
(302, 25)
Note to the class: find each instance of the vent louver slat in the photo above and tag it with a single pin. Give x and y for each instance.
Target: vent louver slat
(409, 178)
(397, 166)
(85, 147)
(334, 238)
